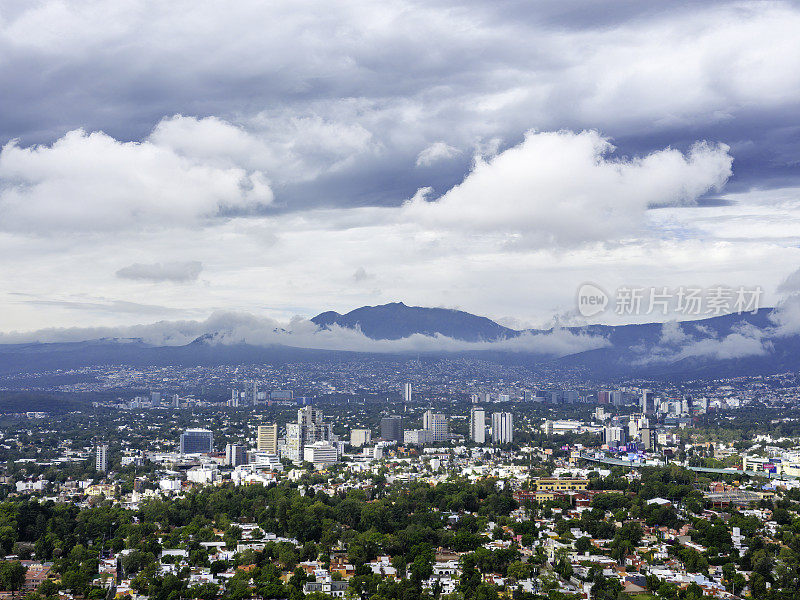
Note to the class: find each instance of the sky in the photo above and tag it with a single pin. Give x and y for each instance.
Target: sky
(178, 161)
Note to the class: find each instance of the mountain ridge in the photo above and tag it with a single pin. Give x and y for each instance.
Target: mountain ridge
(704, 348)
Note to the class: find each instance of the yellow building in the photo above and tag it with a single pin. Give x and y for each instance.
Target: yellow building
(267, 440)
(102, 489)
(552, 484)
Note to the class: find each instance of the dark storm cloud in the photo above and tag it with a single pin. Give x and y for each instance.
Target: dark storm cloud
(411, 75)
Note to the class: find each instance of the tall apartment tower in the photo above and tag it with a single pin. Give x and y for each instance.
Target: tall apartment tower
(392, 429)
(436, 425)
(251, 393)
(407, 393)
(502, 428)
(477, 425)
(101, 458)
(308, 430)
(615, 436)
(235, 455)
(648, 403)
(267, 440)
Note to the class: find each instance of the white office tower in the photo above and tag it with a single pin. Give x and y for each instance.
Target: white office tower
(548, 428)
(235, 455)
(615, 436)
(436, 426)
(633, 429)
(407, 393)
(616, 398)
(360, 437)
(265, 460)
(321, 454)
(101, 458)
(267, 440)
(176, 401)
(477, 425)
(233, 401)
(502, 428)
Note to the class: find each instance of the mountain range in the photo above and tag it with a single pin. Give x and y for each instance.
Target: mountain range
(721, 346)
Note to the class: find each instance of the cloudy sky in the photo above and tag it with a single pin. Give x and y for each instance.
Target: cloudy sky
(170, 160)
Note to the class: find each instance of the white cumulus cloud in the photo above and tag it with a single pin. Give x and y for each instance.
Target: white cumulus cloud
(565, 188)
(93, 182)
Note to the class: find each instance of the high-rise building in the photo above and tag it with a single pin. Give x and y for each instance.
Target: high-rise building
(235, 455)
(197, 441)
(250, 393)
(392, 429)
(155, 398)
(477, 425)
(502, 428)
(436, 425)
(267, 440)
(615, 436)
(649, 438)
(176, 401)
(360, 437)
(604, 397)
(233, 401)
(101, 458)
(293, 449)
(648, 403)
(616, 398)
(407, 393)
(308, 430)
